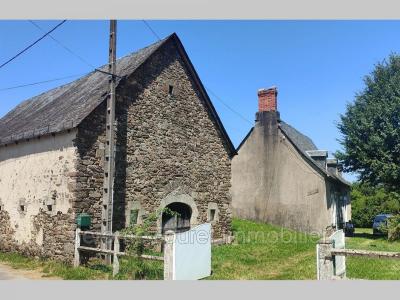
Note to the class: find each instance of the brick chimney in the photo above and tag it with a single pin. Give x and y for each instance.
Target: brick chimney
(267, 99)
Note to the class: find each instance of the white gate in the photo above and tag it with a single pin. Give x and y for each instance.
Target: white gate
(192, 253)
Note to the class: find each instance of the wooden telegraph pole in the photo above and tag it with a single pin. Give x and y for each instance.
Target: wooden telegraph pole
(109, 162)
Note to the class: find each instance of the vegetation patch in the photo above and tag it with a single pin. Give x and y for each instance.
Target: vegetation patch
(260, 251)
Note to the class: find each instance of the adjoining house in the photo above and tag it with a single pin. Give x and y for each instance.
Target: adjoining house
(171, 151)
(279, 176)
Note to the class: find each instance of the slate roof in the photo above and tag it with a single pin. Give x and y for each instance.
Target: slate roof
(303, 144)
(66, 106)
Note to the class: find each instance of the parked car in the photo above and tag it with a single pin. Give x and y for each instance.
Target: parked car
(349, 228)
(379, 222)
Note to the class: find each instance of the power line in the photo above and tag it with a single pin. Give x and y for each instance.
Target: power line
(228, 107)
(74, 53)
(207, 88)
(151, 29)
(64, 46)
(31, 45)
(41, 82)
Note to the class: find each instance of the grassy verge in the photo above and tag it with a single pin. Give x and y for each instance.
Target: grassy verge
(261, 251)
(372, 268)
(51, 268)
(94, 270)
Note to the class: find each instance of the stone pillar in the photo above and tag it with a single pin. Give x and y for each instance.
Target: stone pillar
(324, 260)
(169, 255)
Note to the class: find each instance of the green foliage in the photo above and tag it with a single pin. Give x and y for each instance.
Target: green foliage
(138, 267)
(370, 128)
(367, 202)
(393, 228)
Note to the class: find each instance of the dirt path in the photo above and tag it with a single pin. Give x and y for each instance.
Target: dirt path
(7, 273)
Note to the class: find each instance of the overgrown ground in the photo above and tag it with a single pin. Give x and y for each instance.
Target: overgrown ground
(261, 251)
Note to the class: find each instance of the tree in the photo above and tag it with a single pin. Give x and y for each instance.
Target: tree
(367, 202)
(370, 128)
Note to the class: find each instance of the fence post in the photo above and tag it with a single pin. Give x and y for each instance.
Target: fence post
(169, 255)
(116, 251)
(77, 245)
(324, 259)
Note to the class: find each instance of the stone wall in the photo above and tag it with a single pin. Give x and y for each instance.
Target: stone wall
(166, 143)
(174, 147)
(36, 216)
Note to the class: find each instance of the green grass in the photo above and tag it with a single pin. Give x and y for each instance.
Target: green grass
(94, 270)
(52, 268)
(263, 251)
(260, 251)
(372, 268)
(273, 256)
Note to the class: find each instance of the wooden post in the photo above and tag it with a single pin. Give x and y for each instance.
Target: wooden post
(77, 245)
(325, 269)
(116, 251)
(169, 255)
(109, 167)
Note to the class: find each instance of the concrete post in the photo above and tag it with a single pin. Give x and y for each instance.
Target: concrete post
(169, 255)
(77, 259)
(116, 251)
(325, 260)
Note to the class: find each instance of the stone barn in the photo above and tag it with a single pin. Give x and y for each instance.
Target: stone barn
(279, 176)
(171, 151)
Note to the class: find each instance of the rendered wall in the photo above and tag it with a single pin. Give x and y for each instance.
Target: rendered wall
(272, 183)
(37, 174)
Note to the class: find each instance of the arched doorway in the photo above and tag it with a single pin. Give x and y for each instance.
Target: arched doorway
(178, 222)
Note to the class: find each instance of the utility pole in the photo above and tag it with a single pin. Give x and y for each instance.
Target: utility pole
(109, 161)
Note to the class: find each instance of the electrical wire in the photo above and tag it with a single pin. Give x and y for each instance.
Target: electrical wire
(41, 82)
(151, 29)
(31, 45)
(64, 46)
(207, 88)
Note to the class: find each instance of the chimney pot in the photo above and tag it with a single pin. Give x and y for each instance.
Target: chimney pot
(267, 99)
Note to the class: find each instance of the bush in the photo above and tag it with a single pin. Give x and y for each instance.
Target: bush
(367, 202)
(394, 228)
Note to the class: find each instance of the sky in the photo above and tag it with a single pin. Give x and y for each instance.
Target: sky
(317, 66)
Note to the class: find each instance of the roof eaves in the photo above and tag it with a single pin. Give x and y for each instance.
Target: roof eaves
(323, 172)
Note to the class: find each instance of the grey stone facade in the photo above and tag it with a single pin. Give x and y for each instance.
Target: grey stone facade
(171, 147)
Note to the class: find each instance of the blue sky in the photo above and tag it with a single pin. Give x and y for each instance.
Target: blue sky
(318, 66)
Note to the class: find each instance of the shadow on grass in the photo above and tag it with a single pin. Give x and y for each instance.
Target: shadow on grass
(370, 236)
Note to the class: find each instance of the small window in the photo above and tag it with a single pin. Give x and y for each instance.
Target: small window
(212, 215)
(49, 207)
(134, 216)
(170, 90)
(22, 208)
